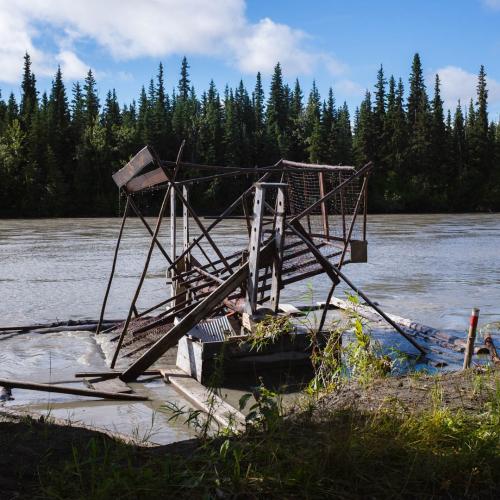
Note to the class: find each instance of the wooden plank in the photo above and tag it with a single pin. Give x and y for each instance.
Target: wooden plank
(147, 180)
(314, 166)
(173, 238)
(111, 385)
(207, 401)
(110, 374)
(22, 384)
(133, 167)
(289, 309)
(254, 249)
(279, 239)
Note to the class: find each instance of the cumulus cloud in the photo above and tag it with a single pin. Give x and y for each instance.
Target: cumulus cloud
(493, 4)
(459, 84)
(127, 29)
(71, 65)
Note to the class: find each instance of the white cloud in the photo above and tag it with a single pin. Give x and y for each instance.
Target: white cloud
(72, 66)
(260, 46)
(128, 29)
(15, 40)
(266, 43)
(493, 4)
(456, 83)
(350, 88)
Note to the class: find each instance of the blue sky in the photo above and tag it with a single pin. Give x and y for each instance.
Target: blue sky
(340, 44)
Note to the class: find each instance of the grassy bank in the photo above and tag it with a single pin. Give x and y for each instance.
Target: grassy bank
(417, 436)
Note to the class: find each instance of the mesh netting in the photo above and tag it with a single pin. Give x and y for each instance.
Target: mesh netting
(327, 224)
(331, 219)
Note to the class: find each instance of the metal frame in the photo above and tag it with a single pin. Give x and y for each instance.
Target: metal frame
(199, 290)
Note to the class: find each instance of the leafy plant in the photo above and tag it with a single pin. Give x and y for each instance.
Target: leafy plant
(269, 330)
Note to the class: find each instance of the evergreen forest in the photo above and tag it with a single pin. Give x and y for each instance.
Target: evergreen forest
(59, 149)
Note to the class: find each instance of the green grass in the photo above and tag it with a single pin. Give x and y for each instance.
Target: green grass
(318, 454)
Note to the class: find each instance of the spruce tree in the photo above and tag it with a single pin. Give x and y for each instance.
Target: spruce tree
(344, 137)
(418, 172)
(260, 145)
(59, 149)
(439, 177)
(329, 130)
(91, 100)
(3, 114)
(29, 94)
(12, 109)
(276, 117)
(312, 125)
(417, 97)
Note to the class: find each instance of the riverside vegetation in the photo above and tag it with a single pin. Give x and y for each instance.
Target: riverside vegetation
(57, 152)
(355, 433)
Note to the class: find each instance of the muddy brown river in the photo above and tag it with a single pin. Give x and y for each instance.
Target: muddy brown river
(431, 268)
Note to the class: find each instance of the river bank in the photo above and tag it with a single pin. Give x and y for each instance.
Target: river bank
(400, 437)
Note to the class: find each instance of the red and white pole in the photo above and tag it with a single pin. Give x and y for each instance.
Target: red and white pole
(471, 337)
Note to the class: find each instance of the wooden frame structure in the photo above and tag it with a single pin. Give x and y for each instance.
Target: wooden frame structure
(306, 220)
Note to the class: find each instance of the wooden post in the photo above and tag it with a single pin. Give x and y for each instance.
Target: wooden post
(185, 221)
(185, 263)
(229, 210)
(254, 249)
(324, 208)
(471, 338)
(279, 237)
(365, 206)
(173, 237)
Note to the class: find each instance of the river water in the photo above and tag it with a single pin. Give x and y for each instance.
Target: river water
(431, 268)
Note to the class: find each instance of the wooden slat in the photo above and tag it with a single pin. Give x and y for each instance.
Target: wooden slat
(21, 384)
(147, 180)
(133, 167)
(201, 397)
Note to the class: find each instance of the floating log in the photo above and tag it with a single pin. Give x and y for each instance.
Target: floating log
(70, 325)
(439, 337)
(20, 384)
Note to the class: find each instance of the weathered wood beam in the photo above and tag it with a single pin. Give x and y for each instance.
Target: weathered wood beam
(22, 384)
(141, 160)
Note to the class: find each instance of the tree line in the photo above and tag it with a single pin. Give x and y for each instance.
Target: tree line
(57, 152)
